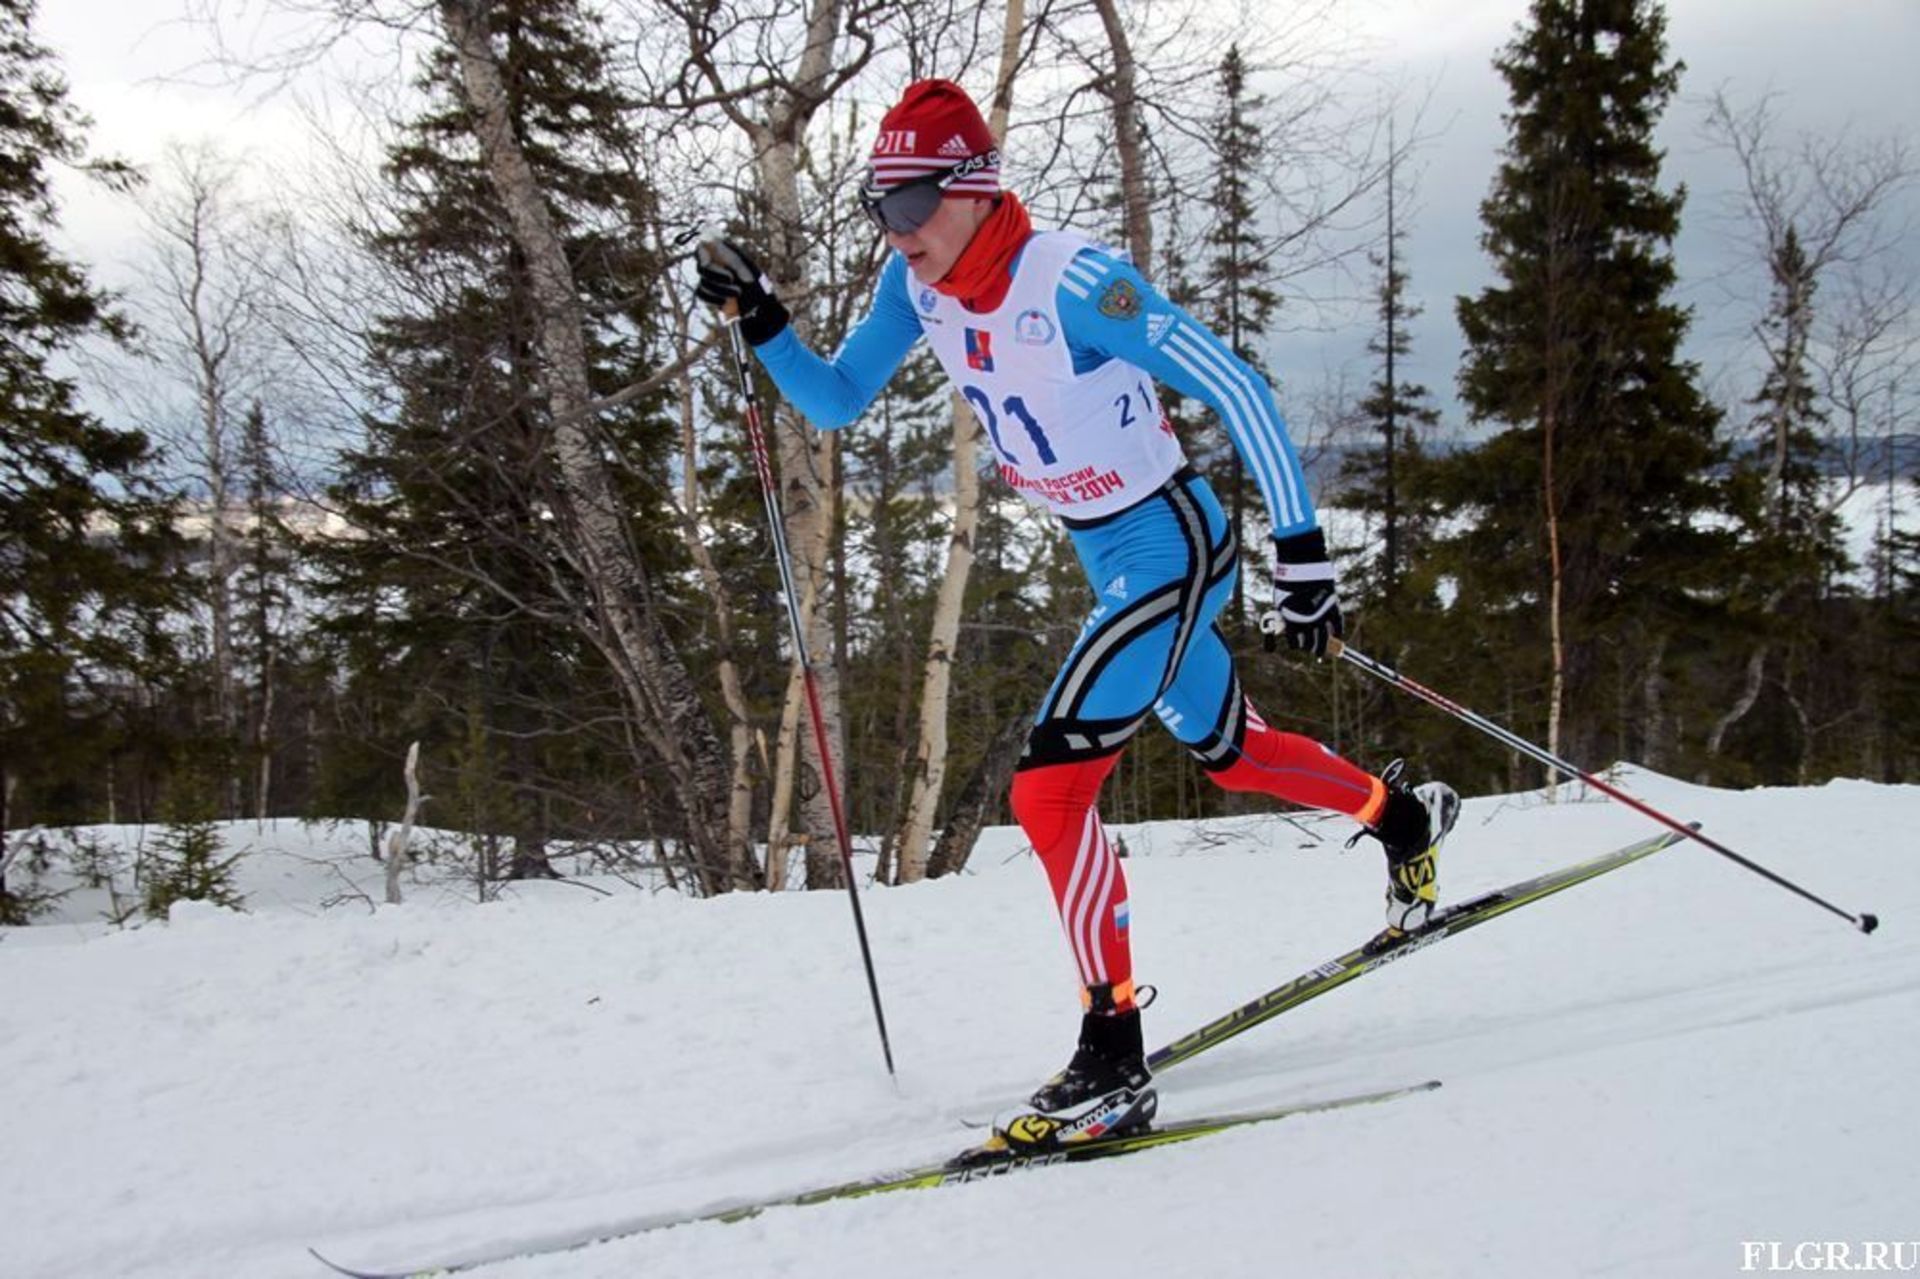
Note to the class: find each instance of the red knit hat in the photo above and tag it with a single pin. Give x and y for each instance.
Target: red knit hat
(934, 127)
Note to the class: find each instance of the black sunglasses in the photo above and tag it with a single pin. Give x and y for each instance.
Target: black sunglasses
(905, 208)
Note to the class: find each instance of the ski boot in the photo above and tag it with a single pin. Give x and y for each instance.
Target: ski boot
(1105, 1089)
(1413, 825)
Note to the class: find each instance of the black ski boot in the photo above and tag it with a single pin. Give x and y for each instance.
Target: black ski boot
(1107, 1085)
(1412, 827)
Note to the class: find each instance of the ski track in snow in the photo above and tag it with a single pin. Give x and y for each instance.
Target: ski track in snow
(1640, 1074)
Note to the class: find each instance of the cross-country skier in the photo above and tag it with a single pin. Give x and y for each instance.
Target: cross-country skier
(1058, 344)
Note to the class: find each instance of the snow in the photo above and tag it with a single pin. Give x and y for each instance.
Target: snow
(1641, 1076)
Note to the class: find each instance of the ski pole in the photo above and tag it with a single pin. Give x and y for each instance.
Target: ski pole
(771, 495)
(1865, 922)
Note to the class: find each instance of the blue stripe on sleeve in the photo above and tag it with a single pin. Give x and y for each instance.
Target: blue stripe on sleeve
(832, 393)
(1177, 349)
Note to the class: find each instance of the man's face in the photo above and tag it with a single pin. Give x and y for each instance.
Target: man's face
(937, 245)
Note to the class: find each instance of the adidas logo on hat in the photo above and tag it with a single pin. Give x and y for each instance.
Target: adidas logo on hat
(956, 146)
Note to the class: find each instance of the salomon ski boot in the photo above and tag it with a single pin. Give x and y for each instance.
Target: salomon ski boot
(1412, 826)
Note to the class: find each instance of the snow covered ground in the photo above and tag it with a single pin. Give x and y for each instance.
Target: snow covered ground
(1651, 1075)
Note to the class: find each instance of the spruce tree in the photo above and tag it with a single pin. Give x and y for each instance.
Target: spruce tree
(1788, 424)
(1585, 542)
(457, 610)
(82, 530)
(1375, 478)
(1389, 590)
(1240, 302)
(1896, 631)
(189, 861)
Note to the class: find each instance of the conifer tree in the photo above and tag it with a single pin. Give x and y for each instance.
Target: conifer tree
(1787, 422)
(1390, 588)
(82, 531)
(189, 861)
(1896, 631)
(458, 605)
(262, 595)
(1239, 301)
(1584, 539)
(1376, 477)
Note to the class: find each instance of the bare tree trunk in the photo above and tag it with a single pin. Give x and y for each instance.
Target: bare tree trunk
(257, 467)
(659, 691)
(397, 845)
(8, 851)
(1756, 678)
(805, 457)
(1556, 400)
(929, 767)
(220, 553)
(263, 741)
(212, 323)
(1653, 705)
(739, 718)
(1121, 92)
(806, 463)
(1556, 696)
(1750, 694)
(1802, 774)
(976, 799)
(780, 833)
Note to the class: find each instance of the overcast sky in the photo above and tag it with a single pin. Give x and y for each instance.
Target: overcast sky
(1834, 64)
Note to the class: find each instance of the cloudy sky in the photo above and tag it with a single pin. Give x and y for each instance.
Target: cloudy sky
(1834, 64)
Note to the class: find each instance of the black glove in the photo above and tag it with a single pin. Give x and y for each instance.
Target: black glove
(727, 274)
(1306, 609)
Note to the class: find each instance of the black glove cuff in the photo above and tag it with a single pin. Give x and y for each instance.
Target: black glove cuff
(1309, 547)
(765, 321)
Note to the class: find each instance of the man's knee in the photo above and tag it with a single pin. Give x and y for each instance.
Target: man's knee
(1050, 801)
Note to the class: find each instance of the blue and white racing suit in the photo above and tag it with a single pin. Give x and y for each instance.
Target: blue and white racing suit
(1061, 375)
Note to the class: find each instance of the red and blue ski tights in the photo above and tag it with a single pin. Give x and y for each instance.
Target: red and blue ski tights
(1162, 570)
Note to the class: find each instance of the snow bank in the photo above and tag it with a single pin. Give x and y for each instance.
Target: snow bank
(1641, 1075)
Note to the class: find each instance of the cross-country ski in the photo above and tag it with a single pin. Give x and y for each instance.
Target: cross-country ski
(957, 1171)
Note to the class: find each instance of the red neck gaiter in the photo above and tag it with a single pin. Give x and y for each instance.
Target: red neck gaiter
(982, 276)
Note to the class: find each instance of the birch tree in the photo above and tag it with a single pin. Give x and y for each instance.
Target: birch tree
(771, 74)
(621, 594)
(929, 766)
(1817, 215)
(203, 325)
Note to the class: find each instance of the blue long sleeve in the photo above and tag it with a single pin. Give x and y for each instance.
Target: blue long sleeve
(832, 393)
(1109, 311)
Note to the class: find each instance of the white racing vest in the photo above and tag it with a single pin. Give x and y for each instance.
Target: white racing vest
(1082, 445)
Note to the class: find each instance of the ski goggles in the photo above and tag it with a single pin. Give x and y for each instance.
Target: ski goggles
(905, 207)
